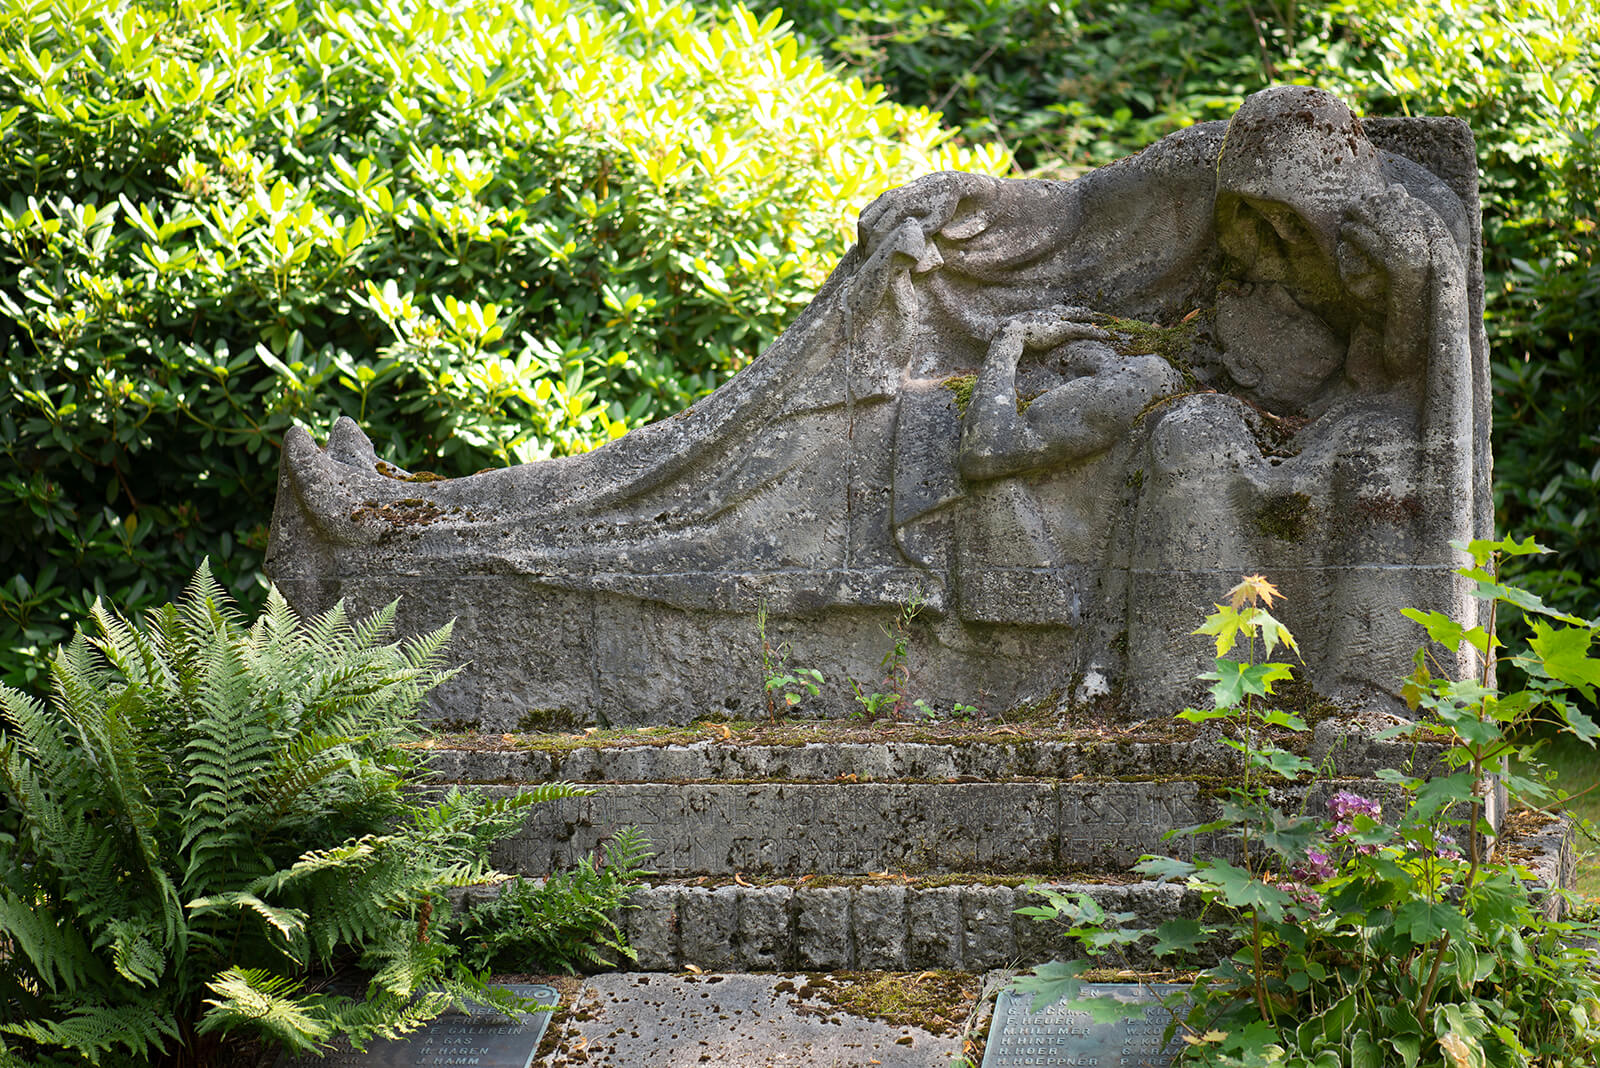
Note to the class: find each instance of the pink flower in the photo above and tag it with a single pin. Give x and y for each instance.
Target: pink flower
(1345, 804)
(1318, 866)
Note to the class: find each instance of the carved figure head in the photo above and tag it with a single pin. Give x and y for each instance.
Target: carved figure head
(1293, 162)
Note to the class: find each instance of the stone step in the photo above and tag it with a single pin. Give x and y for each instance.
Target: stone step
(1038, 827)
(960, 921)
(963, 922)
(826, 752)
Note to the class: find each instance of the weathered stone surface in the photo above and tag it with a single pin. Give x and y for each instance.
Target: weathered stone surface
(824, 937)
(935, 936)
(651, 924)
(1314, 407)
(765, 935)
(711, 828)
(1347, 749)
(911, 925)
(630, 1021)
(851, 829)
(987, 923)
(878, 916)
(706, 927)
(888, 761)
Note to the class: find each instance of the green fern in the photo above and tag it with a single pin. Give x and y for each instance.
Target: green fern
(258, 1000)
(207, 807)
(566, 921)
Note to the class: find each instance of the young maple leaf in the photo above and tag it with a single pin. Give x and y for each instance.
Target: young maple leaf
(1254, 589)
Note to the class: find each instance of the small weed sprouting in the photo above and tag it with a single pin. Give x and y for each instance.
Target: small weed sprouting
(779, 680)
(895, 664)
(958, 712)
(1366, 937)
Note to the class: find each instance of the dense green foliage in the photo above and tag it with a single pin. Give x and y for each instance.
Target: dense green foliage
(1067, 85)
(565, 921)
(1364, 943)
(204, 812)
(489, 233)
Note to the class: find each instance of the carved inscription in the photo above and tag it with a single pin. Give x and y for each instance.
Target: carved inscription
(1117, 822)
(1060, 1037)
(712, 828)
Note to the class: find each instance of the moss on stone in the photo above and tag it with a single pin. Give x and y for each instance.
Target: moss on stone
(961, 387)
(1283, 516)
(390, 471)
(937, 1001)
(1175, 344)
(541, 720)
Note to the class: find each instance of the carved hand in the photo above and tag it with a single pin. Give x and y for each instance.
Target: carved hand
(950, 203)
(1055, 325)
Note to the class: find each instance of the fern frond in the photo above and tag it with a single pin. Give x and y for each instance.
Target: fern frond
(142, 1027)
(60, 956)
(324, 631)
(375, 628)
(288, 923)
(260, 1001)
(125, 648)
(136, 950)
(343, 858)
(425, 652)
(38, 737)
(388, 1016)
(305, 763)
(67, 844)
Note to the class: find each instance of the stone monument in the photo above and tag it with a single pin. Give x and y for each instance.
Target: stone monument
(1062, 417)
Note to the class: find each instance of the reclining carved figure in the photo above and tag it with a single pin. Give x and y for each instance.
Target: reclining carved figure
(1064, 416)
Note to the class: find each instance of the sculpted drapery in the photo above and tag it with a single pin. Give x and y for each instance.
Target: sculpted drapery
(1063, 415)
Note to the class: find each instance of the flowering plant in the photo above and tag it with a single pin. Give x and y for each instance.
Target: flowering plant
(1348, 941)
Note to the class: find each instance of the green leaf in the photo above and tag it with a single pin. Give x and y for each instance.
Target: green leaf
(1179, 936)
(1424, 921)
(1233, 682)
(1164, 869)
(1407, 1047)
(1241, 890)
(1564, 653)
(1053, 982)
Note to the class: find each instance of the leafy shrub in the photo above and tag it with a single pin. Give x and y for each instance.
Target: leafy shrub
(1063, 85)
(488, 232)
(203, 812)
(1364, 943)
(565, 921)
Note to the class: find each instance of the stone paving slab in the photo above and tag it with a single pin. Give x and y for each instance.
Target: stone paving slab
(633, 1020)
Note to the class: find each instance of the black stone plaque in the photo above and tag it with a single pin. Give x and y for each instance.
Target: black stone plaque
(1059, 1036)
(480, 1039)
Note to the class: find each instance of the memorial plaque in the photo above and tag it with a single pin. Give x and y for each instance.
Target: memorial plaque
(482, 1038)
(1059, 1036)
